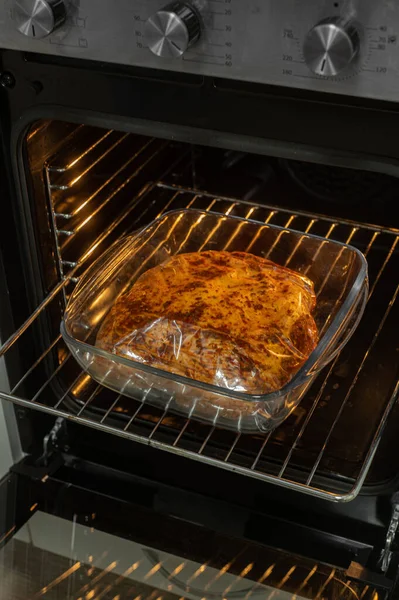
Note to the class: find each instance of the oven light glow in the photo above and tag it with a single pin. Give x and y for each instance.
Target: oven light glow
(259, 233)
(198, 572)
(101, 298)
(325, 584)
(286, 577)
(307, 578)
(6, 535)
(265, 575)
(99, 315)
(132, 568)
(239, 228)
(81, 385)
(88, 150)
(222, 572)
(108, 569)
(246, 570)
(109, 587)
(58, 580)
(152, 571)
(178, 570)
(75, 180)
(84, 223)
(243, 574)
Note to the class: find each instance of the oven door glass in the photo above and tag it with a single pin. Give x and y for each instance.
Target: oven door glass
(58, 541)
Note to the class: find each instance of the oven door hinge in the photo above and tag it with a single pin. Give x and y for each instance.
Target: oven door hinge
(54, 441)
(387, 552)
(51, 459)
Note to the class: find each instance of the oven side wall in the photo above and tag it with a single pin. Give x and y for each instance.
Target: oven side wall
(6, 460)
(10, 443)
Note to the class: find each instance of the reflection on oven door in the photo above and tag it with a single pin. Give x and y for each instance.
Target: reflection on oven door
(54, 558)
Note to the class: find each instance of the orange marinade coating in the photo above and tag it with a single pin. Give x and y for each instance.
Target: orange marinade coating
(231, 319)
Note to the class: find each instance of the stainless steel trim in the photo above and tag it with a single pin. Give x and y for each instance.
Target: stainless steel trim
(273, 54)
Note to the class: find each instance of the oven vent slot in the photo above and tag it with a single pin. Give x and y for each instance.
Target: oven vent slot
(325, 448)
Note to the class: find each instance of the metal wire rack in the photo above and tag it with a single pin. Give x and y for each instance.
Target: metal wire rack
(93, 193)
(325, 448)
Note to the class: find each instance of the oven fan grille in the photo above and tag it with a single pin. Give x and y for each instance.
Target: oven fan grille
(326, 446)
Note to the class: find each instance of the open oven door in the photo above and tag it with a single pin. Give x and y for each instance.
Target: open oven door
(60, 541)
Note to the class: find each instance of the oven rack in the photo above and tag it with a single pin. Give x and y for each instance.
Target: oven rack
(88, 198)
(341, 418)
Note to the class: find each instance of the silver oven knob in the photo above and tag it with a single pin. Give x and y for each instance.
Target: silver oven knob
(172, 30)
(331, 46)
(38, 18)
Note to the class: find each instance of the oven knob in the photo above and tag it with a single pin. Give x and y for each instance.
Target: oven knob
(172, 30)
(331, 46)
(38, 18)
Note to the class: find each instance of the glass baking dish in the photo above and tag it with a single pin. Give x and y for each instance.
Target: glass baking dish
(338, 271)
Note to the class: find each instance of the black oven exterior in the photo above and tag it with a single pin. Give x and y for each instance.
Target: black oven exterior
(210, 112)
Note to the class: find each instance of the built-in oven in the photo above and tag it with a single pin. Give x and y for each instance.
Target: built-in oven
(112, 114)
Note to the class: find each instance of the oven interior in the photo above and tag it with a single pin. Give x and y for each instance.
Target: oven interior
(87, 187)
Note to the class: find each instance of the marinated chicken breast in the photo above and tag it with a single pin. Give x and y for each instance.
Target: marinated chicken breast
(230, 319)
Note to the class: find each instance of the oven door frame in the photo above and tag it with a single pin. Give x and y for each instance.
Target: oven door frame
(91, 512)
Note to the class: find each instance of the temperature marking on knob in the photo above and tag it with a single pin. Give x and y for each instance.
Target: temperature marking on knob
(289, 58)
(219, 34)
(380, 70)
(138, 32)
(208, 55)
(33, 31)
(202, 62)
(289, 34)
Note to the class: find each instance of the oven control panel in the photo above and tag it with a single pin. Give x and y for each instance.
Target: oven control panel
(338, 46)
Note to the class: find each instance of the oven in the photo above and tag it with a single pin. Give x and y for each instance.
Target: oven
(112, 114)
